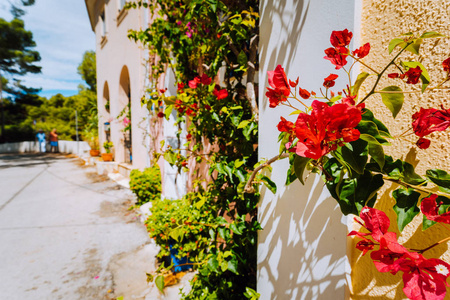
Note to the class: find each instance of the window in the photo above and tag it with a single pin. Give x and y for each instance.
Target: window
(103, 20)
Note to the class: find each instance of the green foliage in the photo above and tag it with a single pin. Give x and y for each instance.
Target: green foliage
(88, 71)
(146, 185)
(108, 145)
(194, 38)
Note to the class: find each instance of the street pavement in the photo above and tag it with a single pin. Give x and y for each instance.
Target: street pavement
(66, 232)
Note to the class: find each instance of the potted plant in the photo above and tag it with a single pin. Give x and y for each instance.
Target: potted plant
(108, 155)
(93, 143)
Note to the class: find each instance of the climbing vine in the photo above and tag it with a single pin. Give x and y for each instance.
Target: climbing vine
(211, 46)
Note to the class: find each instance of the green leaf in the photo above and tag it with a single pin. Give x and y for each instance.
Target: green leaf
(406, 206)
(251, 294)
(242, 59)
(356, 158)
(394, 43)
(237, 227)
(243, 124)
(414, 47)
(168, 111)
(159, 281)
(393, 101)
(440, 178)
(369, 139)
(376, 152)
(213, 264)
(247, 131)
(359, 81)
(410, 176)
(431, 34)
(290, 176)
(170, 157)
(300, 163)
(233, 265)
(269, 184)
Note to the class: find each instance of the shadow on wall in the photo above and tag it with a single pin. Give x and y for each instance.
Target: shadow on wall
(380, 286)
(302, 247)
(297, 255)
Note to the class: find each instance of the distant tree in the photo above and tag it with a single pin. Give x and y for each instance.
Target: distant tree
(17, 57)
(88, 71)
(16, 7)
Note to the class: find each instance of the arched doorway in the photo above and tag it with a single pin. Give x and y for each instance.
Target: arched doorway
(106, 116)
(125, 114)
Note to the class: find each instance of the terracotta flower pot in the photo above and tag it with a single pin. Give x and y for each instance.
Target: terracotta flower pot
(107, 156)
(94, 152)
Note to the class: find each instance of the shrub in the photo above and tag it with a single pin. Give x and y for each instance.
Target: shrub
(146, 185)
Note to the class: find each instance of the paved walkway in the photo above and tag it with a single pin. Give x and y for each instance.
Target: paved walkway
(65, 233)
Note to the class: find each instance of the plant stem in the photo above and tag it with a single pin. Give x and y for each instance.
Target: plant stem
(384, 70)
(249, 185)
(364, 64)
(418, 188)
(432, 246)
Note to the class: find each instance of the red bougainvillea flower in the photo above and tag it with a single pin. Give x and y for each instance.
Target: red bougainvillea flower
(207, 107)
(413, 75)
(280, 88)
(423, 279)
(341, 38)
(179, 106)
(180, 86)
(393, 75)
(188, 136)
(423, 143)
(430, 120)
(162, 91)
(220, 94)
(293, 84)
(277, 78)
(160, 114)
(286, 126)
(326, 128)
(362, 51)
(446, 65)
(194, 82)
(304, 93)
(337, 56)
(430, 209)
(375, 221)
(204, 79)
(330, 81)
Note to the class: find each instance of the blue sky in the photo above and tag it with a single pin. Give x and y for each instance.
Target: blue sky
(62, 32)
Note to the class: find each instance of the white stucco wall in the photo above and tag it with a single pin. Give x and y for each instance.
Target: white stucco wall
(302, 247)
(117, 52)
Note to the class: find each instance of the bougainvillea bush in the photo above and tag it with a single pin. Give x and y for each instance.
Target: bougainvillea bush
(211, 48)
(146, 185)
(336, 135)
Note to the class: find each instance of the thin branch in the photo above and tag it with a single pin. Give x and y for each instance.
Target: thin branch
(416, 187)
(249, 185)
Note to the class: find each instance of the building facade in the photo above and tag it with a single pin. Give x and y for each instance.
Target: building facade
(121, 75)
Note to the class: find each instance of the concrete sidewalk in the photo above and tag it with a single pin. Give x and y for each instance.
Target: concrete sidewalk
(66, 233)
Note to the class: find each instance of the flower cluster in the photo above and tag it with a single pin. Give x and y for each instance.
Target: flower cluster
(427, 121)
(322, 131)
(423, 278)
(340, 40)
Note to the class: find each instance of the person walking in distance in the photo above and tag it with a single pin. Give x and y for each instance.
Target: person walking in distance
(41, 140)
(54, 141)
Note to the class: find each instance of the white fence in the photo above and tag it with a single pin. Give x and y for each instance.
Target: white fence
(78, 148)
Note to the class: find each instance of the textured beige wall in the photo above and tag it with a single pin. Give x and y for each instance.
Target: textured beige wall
(383, 20)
